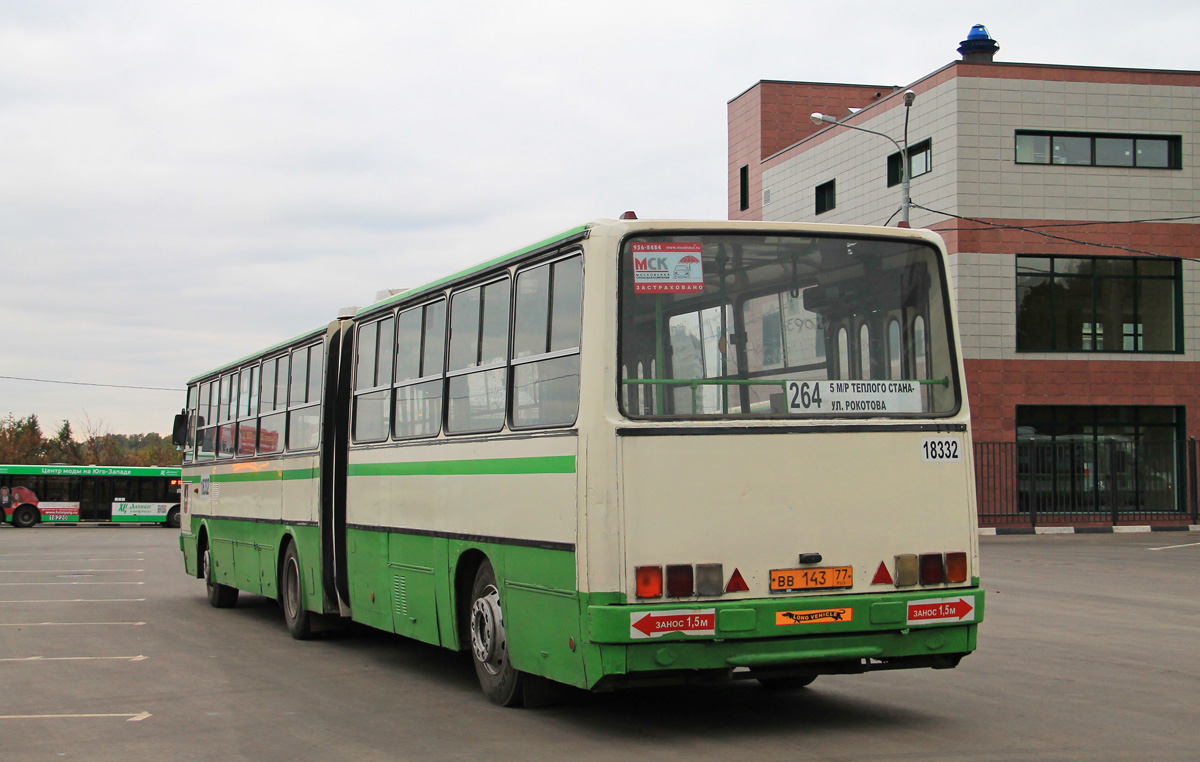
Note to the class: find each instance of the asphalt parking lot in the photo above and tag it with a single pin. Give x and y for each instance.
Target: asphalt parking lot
(108, 651)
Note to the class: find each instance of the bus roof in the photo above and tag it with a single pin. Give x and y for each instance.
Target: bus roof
(549, 242)
(61, 470)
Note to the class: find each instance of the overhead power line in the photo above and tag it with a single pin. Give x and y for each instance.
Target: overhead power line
(85, 383)
(1002, 226)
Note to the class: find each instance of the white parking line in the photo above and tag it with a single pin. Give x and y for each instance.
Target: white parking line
(1170, 547)
(58, 556)
(27, 584)
(71, 624)
(64, 571)
(131, 717)
(81, 600)
(139, 657)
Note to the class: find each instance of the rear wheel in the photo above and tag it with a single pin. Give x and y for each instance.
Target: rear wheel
(291, 596)
(25, 516)
(220, 596)
(501, 682)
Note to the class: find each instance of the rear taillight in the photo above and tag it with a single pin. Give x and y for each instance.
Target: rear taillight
(933, 569)
(927, 569)
(906, 570)
(956, 567)
(685, 581)
(649, 581)
(710, 579)
(680, 581)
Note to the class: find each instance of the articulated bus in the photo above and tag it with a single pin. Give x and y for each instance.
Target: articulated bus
(637, 452)
(59, 494)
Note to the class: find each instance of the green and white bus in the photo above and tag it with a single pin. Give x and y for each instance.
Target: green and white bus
(59, 494)
(636, 452)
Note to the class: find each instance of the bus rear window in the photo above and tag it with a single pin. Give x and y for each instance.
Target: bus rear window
(717, 326)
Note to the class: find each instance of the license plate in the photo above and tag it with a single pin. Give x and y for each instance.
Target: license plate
(819, 578)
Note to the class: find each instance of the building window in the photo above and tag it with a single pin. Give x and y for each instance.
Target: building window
(1099, 149)
(1098, 304)
(826, 196)
(920, 162)
(744, 184)
(1099, 458)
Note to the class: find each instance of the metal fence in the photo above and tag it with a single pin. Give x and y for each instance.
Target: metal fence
(1086, 482)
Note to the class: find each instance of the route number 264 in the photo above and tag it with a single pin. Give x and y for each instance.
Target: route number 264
(804, 395)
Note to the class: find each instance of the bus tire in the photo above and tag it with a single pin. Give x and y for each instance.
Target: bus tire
(291, 595)
(501, 682)
(220, 596)
(25, 516)
(172, 521)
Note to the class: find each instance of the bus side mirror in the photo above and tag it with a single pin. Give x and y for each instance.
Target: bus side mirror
(179, 430)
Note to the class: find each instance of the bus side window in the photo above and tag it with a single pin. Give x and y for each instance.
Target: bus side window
(372, 404)
(478, 358)
(546, 344)
(420, 357)
(304, 411)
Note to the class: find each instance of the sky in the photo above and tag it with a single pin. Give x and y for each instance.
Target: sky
(182, 184)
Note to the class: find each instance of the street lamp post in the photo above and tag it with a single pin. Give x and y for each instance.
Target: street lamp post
(905, 198)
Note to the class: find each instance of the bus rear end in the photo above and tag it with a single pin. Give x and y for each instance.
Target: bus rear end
(793, 461)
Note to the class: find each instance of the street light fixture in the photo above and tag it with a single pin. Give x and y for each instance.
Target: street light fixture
(905, 198)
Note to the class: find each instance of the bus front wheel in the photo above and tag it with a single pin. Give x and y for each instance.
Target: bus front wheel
(220, 596)
(501, 682)
(25, 516)
(291, 596)
(172, 521)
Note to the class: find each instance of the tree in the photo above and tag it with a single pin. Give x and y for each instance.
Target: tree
(63, 448)
(21, 441)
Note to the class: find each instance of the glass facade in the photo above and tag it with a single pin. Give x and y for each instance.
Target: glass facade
(1100, 458)
(1098, 304)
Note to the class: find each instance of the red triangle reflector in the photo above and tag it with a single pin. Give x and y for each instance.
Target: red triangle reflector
(736, 583)
(882, 576)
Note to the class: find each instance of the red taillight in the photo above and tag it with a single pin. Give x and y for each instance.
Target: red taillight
(680, 581)
(649, 581)
(956, 567)
(933, 570)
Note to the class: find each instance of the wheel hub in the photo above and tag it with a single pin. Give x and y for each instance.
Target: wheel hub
(487, 630)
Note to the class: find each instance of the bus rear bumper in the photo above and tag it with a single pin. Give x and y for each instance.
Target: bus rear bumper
(719, 661)
(785, 636)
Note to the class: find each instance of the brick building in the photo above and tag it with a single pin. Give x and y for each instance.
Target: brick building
(1069, 200)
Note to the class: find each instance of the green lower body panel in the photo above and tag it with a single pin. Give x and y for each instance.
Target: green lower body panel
(419, 586)
(247, 555)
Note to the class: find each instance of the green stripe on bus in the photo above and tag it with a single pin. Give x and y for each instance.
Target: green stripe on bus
(89, 471)
(554, 464)
(273, 475)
